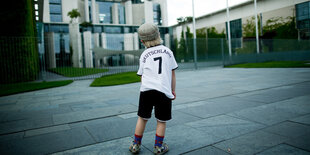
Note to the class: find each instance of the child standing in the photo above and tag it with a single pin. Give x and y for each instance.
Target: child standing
(156, 68)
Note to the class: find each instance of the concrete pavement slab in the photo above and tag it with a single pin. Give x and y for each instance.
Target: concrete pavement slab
(225, 127)
(47, 143)
(118, 146)
(181, 139)
(207, 150)
(302, 119)
(302, 142)
(276, 112)
(284, 149)
(92, 114)
(251, 143)
(288, 129)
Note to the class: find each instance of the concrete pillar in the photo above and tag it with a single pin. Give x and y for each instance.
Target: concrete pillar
(148, 11)
(167, 40)
(50, 58)
(128, 41)
(103, 40)
(93, 12)
(46, 11)
(164, 12)
(135, 41)
(75, 43)
(87, 49)
(96, 39)
(115, 14)
(128, 12)
(86, 10)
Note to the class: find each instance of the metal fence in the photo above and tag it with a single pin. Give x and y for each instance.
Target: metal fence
(31, 59)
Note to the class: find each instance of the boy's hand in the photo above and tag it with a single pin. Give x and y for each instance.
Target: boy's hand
(173, 92)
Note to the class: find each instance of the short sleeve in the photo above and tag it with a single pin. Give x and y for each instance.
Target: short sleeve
(174, 64)
(140, 70)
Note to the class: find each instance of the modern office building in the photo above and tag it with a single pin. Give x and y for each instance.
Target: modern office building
(266, 10)
(109, 24)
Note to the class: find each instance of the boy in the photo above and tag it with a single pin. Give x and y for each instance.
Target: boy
(156, 68)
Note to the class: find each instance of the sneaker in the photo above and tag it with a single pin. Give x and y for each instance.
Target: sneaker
(134, 148)
(161, 150)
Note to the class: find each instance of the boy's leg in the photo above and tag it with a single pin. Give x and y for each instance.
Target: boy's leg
(140, 126)
(161, 128)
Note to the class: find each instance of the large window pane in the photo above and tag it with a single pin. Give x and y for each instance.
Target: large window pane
(105, 12)
(55, 1)
(55, 8)
(121, 14)
(56, 18)
(115, 41)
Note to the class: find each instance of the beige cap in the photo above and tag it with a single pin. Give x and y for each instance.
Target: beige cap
(148, 32)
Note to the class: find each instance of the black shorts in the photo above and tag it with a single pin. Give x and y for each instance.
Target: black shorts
(159, 100)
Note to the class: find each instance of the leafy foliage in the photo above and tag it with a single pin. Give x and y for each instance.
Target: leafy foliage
(73, 14)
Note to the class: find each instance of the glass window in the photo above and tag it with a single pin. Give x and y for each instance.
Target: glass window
(56, 28)
(97, 29)
(56, 18)
(105, 12)
(55, 8)
(55, 1)
(115, 41)
(303, 15)
(55, 11)
(110, 29)
(121, 14)
(157, 14)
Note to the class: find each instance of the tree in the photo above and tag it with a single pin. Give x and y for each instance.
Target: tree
(74, 14)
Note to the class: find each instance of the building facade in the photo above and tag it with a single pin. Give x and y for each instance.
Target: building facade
(108, 24)
(242, 13)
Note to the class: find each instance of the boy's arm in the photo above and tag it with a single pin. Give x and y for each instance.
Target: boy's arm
(173, 84)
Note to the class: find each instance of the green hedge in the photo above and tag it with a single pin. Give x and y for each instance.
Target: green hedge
(18, 44)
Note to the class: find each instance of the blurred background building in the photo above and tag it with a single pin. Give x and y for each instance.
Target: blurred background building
(109, 24)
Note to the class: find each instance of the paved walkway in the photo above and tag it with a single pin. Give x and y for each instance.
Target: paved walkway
(217, 111)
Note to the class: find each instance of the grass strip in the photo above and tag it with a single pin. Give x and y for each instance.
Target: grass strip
(273, 64)
(116, 79)
(9, 89)
(76, 72)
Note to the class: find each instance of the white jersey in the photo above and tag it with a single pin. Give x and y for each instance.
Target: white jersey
(156, 65)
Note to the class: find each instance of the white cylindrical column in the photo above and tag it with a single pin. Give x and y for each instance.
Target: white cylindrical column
(46, 11)
(86, 10)
(128, 41)
(103, 40)
(88, 56)
(135, 41)
(75, 39)
(93, 12)
(115, 17)
(148, 11)
(128, 11)
(167, 40)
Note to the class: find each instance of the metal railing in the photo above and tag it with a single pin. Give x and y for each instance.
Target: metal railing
(25, 59)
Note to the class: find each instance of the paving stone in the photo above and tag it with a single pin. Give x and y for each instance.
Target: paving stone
(302, 119)
(118, 146)
(289, 129)
(225, 127)
(91, 114)
(177, 139)
(251, 143)
(112, 129)
(13, 136)
(207, 150)
(46, 130)
(302, 142)
(218, 107)
(276, 112)
(48, 143)
(284, 149)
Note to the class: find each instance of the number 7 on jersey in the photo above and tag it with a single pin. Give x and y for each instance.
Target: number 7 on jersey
(160, 63)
